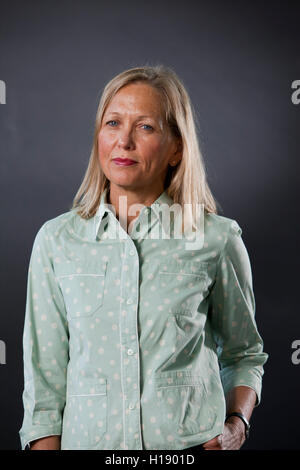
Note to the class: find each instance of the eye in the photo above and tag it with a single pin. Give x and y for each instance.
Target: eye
(149, 128)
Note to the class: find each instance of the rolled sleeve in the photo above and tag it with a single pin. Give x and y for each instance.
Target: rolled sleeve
(239, 345)
(45, 346)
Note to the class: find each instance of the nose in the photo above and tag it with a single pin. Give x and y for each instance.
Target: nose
(125, 138)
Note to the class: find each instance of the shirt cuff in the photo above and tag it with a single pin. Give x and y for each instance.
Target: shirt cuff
(37, 433)
(243, 377)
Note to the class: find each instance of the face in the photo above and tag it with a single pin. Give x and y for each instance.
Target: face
(133, 127)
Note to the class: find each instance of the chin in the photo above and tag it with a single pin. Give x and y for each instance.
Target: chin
(124, 182)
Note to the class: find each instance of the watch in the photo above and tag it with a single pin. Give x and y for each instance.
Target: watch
(243, 418)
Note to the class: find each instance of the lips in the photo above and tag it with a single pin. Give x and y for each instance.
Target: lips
(124, 161)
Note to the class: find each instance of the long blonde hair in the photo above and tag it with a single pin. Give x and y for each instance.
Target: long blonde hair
(186, 183)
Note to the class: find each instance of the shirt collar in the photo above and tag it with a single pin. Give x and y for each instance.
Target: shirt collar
(104, 208)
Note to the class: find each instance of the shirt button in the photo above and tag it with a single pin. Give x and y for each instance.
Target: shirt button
(131, 406)
(131, 252)
(130, 352)
(129, 301)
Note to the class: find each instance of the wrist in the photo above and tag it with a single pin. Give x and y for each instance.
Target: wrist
(239, 416)
(237, 422)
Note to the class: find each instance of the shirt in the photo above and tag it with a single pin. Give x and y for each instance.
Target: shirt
(131, 342)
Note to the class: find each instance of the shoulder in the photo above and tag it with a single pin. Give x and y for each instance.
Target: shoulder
(221, 233)
(59, 226)
(221, 226)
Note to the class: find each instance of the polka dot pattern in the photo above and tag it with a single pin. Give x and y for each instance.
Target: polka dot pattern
(123, 335)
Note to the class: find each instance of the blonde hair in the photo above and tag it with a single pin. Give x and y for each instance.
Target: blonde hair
(186, 183)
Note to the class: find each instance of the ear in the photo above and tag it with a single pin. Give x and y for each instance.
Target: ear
(177, 155)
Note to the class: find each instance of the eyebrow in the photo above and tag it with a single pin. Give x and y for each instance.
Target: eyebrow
(138, 117)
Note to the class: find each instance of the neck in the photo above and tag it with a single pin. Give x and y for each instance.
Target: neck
(142, 197)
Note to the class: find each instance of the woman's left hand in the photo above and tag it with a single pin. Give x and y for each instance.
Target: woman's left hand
(232, 438)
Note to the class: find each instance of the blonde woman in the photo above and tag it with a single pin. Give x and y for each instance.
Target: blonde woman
(134, 339)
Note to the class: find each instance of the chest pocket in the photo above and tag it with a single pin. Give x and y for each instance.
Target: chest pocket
(82, 285)
(185, 283)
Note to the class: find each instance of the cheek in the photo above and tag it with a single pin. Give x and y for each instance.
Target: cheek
(155, 152)
(152, 149)
(104, 145)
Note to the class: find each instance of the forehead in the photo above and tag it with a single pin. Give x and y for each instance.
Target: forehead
(137, 98)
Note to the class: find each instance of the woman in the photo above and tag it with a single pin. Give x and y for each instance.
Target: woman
(133, 340)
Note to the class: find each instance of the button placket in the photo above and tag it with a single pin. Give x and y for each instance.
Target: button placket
(130, 358)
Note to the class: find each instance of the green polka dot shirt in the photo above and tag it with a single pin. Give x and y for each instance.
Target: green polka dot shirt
(132, 342)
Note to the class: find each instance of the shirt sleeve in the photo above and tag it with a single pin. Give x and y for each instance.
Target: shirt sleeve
(45, 346)
(232, 307)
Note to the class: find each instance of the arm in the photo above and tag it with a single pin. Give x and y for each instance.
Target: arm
(239, 345)
(46, 443)
(241, 399)
(45, 346)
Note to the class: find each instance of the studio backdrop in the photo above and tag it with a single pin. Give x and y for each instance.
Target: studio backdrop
(240, 63)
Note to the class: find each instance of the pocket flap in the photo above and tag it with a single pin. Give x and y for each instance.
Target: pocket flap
(179, 267)
(177, 378)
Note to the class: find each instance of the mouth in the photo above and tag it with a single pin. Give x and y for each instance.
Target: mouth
(124, 161)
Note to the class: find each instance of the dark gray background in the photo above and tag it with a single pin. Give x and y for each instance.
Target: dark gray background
(237, 60)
